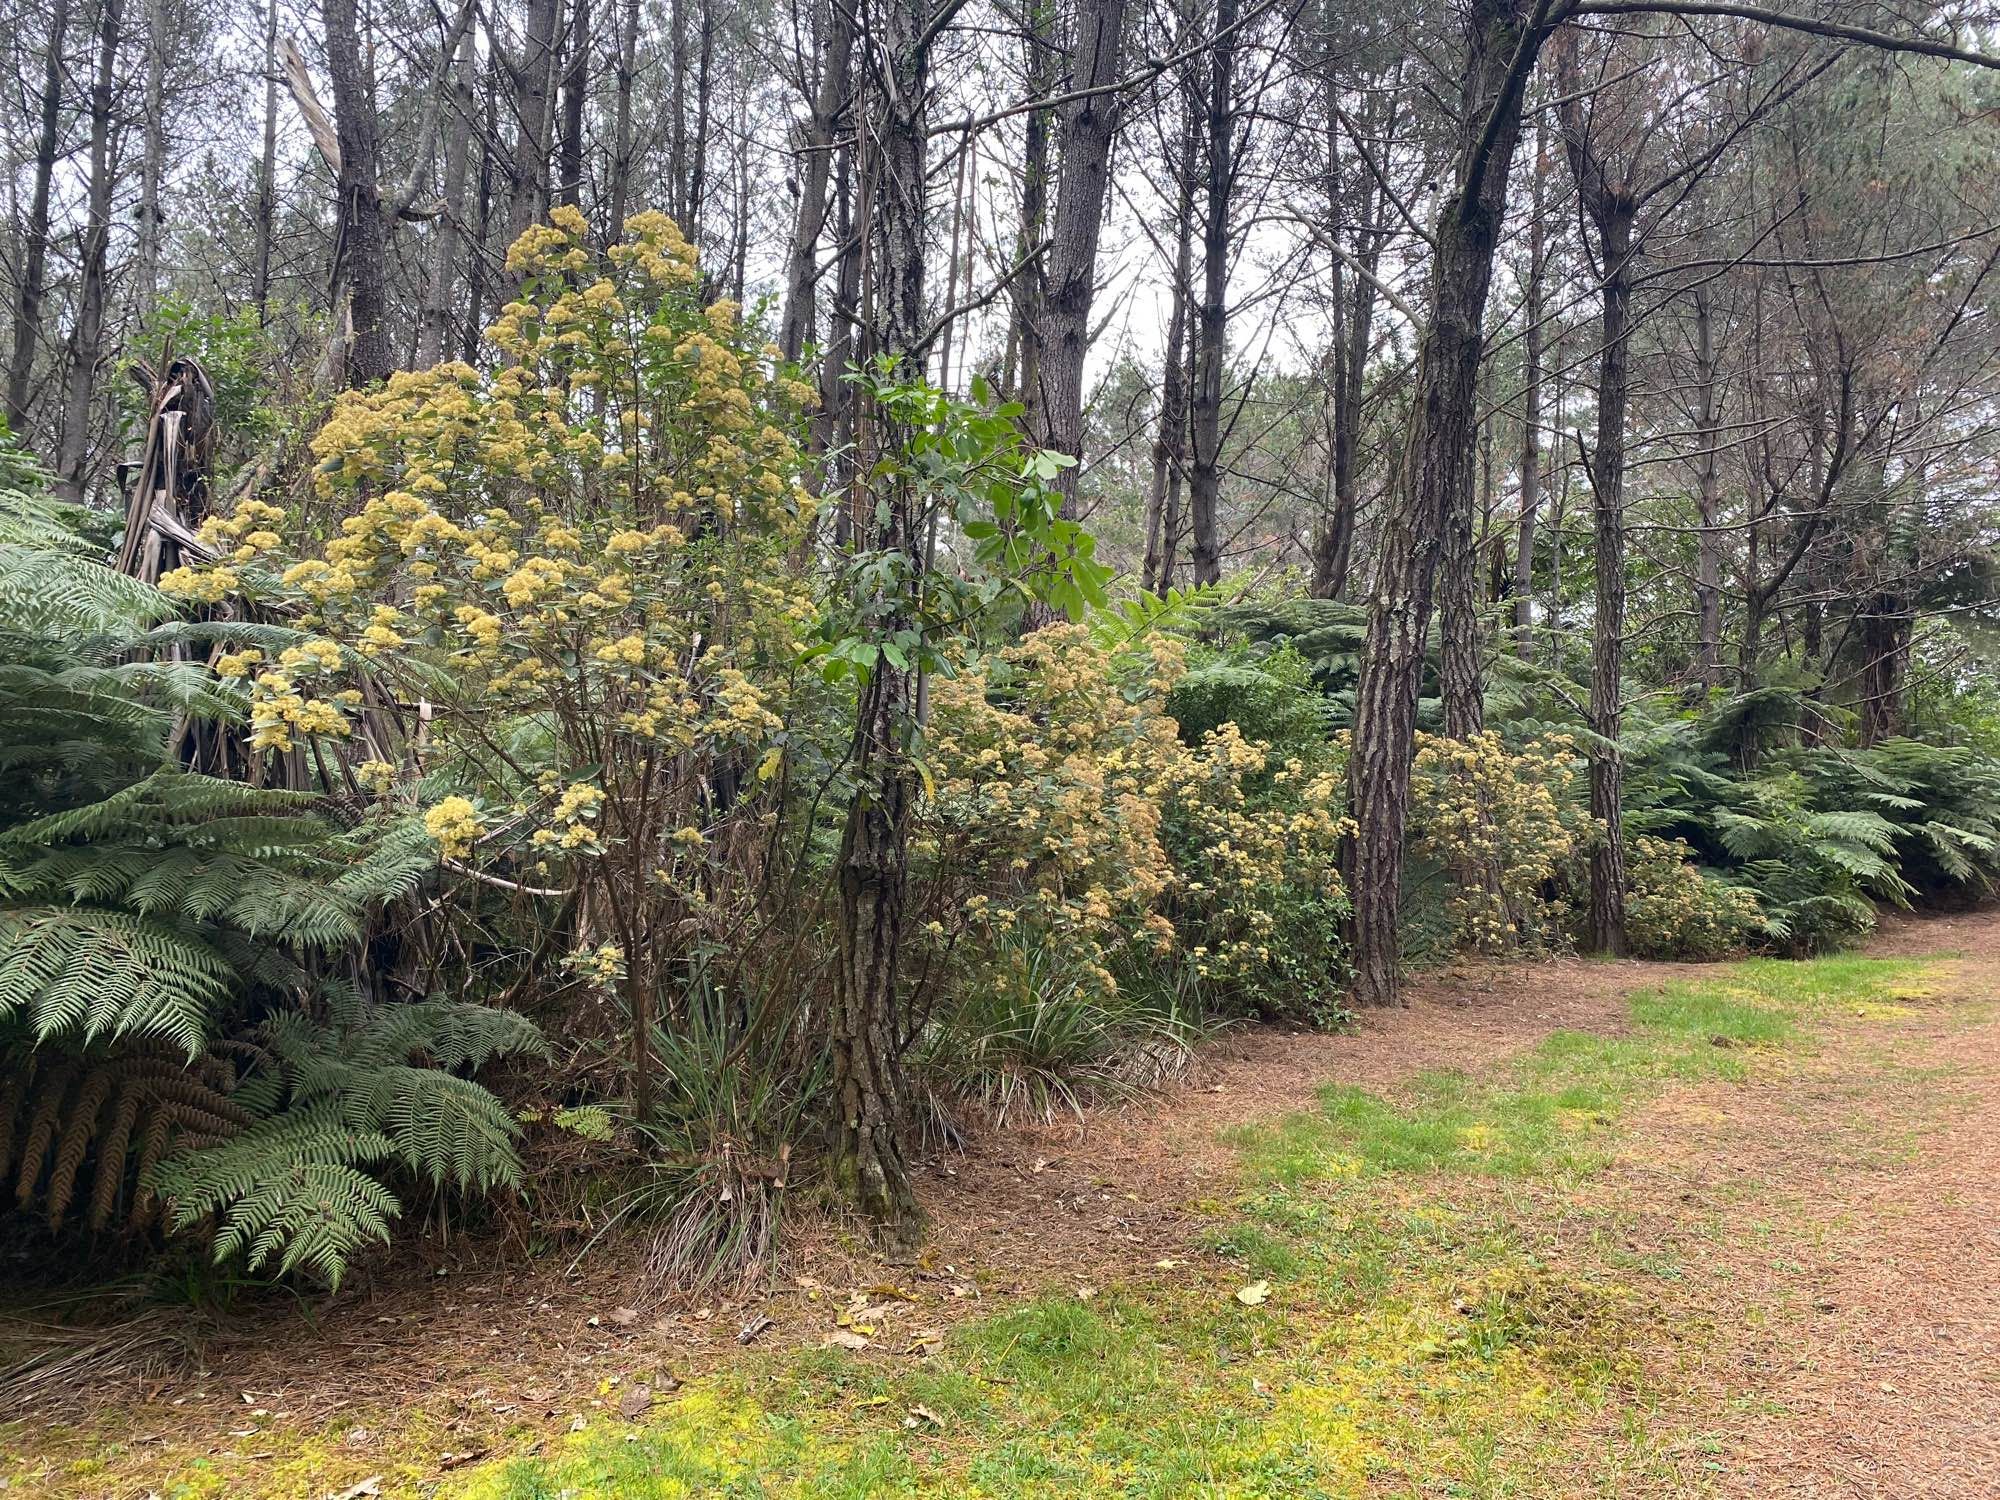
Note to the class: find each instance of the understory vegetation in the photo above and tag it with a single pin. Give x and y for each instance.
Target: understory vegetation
(484, 826)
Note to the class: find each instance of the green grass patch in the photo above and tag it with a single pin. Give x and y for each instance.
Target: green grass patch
(1446, 1316)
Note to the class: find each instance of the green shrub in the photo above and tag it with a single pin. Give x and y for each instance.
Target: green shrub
(1674, 910)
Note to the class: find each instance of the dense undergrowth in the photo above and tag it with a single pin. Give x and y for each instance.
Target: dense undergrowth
(472, 825)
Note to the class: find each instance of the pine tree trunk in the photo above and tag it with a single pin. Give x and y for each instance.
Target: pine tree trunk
(1211, 329)
(1531, 418)
(534, 98)
(1708, 496)
(362, 232)
(86, 347)
(435, 330)
(621, 130)
(1170, 443)
(267, 171)
(1442, 424)
(868, 1077)
(1087, 128)
(800, 317)
(152, 166)
(1611, 207)
(575, 97)
(35, 234)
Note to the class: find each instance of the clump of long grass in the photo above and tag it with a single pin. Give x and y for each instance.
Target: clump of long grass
(1034, 1034)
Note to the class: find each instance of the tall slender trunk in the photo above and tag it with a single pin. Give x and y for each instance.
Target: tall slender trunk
(482, 238)
(434, 331)
(739, 258)
(1501, 43)
(833, 423)
(152, 166)
(86, 345)
(698, 145)
(1087, 128)
(1163, 518)
(1611, 206)
(815, 162)
(1024, 341)
(35, 234)
(575, 99)
(1607, 761)
(534, 99)
(1353, 332)
(869, 1087)
(363, 233)
(1461, 680)
(267, 171)
(1212, 316)
(1531, 416)
(621, 130)
(677, 133)
(1708, 496)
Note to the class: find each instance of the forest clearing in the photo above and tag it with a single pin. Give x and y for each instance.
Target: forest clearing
(1003, 747)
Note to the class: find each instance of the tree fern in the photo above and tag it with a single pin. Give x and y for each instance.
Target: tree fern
(150, 915)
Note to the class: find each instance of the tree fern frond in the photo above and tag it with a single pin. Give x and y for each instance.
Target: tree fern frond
(87, 973)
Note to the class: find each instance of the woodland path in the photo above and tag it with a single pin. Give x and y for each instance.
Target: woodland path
(1830, 1324)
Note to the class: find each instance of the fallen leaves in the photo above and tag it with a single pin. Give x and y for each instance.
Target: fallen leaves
(1255, 1294)
(635, 1403)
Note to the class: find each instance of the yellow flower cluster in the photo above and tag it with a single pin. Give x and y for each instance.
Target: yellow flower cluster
(589, 548)
(1672, 910)
(453, 825)
(1054, 794)
(1502, 822)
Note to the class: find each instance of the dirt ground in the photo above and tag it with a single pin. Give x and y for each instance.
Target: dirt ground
(1859, 1315)
(1850, 1315)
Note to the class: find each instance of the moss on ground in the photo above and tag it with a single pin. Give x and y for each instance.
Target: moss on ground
(1438, 1304)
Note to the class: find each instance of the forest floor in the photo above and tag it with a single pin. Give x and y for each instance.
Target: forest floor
(1577, 1228)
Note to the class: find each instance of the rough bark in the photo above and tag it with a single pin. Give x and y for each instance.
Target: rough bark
(1611, 205)
(870, 1091)
(1501, 41)
(1024, 334)
(534, 101)
(815, 162)
(1211, 327)
(1086, 128)
(1460, 679)
(362, 233)
(35, 233)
